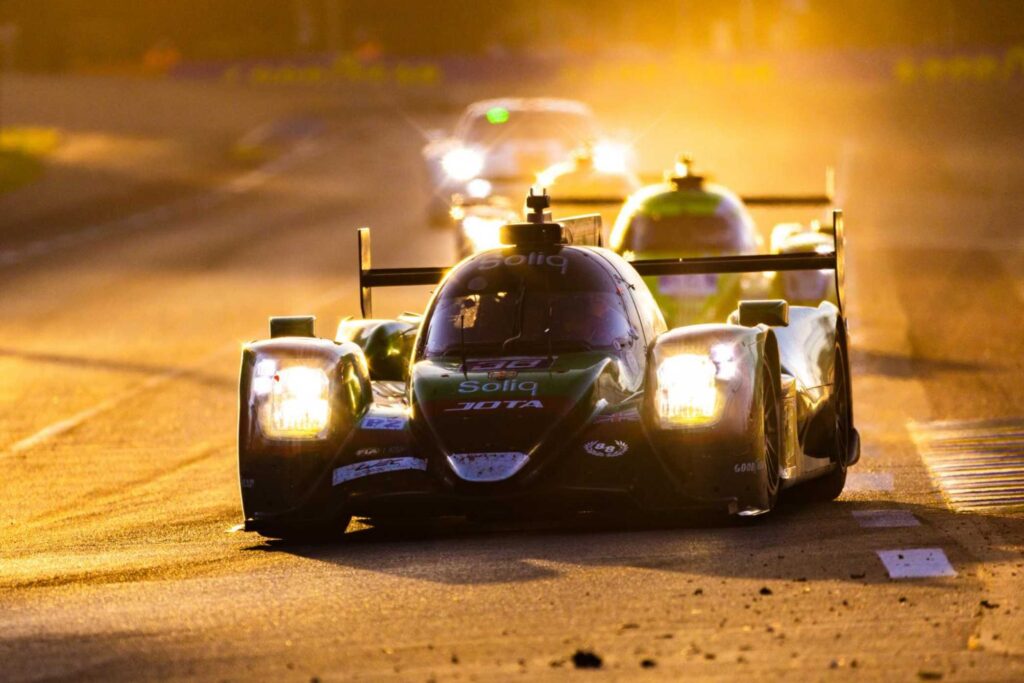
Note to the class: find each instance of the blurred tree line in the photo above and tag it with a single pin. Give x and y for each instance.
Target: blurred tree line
(59, 34)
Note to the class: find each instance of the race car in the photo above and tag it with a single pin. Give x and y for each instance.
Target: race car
(542, 379)
(499, 145)
(688, 216)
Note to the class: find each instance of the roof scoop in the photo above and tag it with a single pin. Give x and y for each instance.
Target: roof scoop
(538, 230)
(682, 175)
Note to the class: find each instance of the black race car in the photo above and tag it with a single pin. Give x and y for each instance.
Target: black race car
(542, 378)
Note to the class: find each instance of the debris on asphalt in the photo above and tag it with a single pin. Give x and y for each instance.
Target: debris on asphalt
(929, 675)
(988, 605)
(648, 664)
(584, 659)
(699, 591)
(765, 590)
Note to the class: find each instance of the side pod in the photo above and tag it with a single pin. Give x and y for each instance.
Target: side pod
(299, 400)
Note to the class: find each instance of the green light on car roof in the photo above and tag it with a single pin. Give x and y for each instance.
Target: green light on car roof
(497, 115)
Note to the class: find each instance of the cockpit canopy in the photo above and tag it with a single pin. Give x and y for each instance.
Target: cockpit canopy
(512, 301)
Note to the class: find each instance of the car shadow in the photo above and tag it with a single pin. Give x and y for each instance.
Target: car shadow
(806, 543)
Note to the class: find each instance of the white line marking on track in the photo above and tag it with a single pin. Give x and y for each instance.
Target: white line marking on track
(916, 563)
(870, 519)
(67, 424)
(862, 482)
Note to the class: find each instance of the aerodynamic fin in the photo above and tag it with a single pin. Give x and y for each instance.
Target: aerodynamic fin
(387, 277)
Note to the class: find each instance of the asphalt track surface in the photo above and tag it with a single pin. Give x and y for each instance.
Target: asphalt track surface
(119, 348)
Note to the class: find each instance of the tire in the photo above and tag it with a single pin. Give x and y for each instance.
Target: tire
(769, 443)
(829, 486)
(771, 435)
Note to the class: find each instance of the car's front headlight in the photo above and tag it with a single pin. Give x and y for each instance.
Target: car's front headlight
(462, 163)
(294, 400)
(483, 233)
(688, 391)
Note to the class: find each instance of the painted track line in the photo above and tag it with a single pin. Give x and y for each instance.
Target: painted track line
(61, 427)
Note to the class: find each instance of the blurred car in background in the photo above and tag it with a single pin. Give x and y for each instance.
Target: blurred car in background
(686, 216)
(499, 146)
(803, 287)
(597, 178)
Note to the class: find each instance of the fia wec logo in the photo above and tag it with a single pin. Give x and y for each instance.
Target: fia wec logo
(465, 406)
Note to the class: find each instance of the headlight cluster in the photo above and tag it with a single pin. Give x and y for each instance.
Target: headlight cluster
(462, 163)
(293, 401)
(688, 391)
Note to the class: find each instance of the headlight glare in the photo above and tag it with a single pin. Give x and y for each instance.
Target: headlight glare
(687, 393)
(478, 188)
(483, 233)
(611, 157)
(296, 404)
(462, 163)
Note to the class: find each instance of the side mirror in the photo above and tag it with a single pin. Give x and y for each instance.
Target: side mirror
(292, 326)
(771, 312)
(386, 344)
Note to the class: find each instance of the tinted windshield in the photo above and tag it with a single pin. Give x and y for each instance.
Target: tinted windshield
(689, 233)
(504, 304)
(531, 125)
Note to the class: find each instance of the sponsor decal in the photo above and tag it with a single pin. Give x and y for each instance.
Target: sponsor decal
(606, 449)
(472, 386)
(534, 258)
(367, 452)
(752, 466)
(513, 365)
(631, 415)
(464, 406)
(248, 483)
(484, 467)
(388, 422)
(371, 467)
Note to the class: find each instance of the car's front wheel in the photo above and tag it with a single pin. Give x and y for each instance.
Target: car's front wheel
(768, 446)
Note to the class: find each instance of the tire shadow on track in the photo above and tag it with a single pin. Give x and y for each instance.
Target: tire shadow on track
(813, 543)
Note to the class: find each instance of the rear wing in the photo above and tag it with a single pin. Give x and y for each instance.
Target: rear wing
(370, 277)
(826, 198)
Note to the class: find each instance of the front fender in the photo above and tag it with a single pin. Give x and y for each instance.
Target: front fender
(278, 475)
(722, 455)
